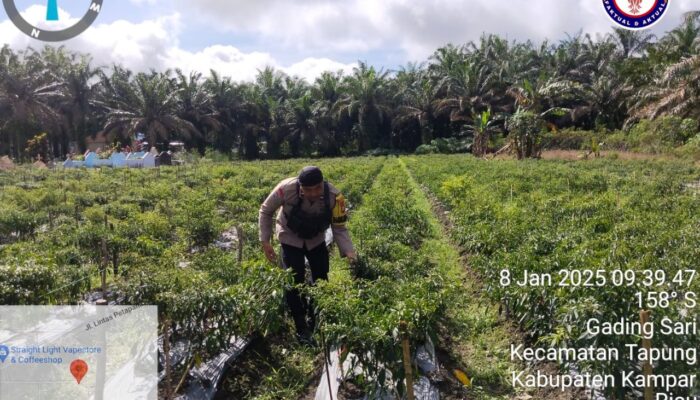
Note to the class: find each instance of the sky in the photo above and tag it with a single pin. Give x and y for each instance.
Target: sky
(306, 37)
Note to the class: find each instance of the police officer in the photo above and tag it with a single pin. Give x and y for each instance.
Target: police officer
(309, 206)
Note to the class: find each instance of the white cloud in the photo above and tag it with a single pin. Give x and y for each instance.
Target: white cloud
(417, 27)
(229, 61)
(226, 60)
(154, 44)
(310, 68)
(139, 46)
(308, 32)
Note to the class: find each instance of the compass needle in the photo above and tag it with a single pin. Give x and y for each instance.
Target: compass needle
(52, 10)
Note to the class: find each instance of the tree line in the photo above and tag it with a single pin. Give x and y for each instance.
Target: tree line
(468, 92)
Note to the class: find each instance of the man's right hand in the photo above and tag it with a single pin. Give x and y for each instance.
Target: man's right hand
(269, 252)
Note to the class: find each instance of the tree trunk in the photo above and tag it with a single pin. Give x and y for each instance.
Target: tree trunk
(426, 134)
(250, 146)
(295, 144)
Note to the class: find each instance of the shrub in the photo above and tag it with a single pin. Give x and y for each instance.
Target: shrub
(526, 133)
(445, 146)
(22, 223)
(691, 149)
(426, 149)
(661, 134)
(216, 156)
(30, 282)
(568, 139)
(200, 220)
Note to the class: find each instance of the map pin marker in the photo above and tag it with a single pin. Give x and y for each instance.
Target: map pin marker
(78, 368)
(4, 352)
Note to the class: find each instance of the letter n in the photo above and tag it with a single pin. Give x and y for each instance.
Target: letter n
(35, 33)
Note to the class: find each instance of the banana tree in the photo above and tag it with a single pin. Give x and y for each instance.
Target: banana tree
(482, 127)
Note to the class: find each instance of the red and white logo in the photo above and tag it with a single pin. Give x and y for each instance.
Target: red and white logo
(635, 14)
(636, 8)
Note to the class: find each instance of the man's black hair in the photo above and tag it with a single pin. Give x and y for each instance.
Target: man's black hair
(310, 176)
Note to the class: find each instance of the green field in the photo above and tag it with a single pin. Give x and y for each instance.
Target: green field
(437, 235)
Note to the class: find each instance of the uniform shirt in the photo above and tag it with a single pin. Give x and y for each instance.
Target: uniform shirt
(285, 195)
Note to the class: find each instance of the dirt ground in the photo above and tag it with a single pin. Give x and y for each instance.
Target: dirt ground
(580, 154)
(449, 388)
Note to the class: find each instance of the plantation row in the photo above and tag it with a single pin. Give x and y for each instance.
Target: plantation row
(158, 234)
(543, 217)
(402, 277)
(158, 228)
(408, 273)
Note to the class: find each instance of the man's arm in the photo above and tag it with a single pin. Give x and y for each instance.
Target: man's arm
(267, 212)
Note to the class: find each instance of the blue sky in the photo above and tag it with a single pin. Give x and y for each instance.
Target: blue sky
(305, 37)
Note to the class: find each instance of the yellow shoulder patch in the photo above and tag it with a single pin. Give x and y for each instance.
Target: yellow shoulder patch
(462, 377)
(340, 214)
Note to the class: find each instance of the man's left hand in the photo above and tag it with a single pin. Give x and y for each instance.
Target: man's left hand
(352, 257)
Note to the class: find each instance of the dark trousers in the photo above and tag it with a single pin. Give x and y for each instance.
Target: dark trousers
(293, 257)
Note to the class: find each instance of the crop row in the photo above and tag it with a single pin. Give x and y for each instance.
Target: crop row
(542, 217)
(156, 230)
(402, 276)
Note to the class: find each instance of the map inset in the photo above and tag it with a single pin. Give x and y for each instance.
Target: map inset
(78, 352)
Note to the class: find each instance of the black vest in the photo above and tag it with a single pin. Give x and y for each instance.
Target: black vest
(307, 225)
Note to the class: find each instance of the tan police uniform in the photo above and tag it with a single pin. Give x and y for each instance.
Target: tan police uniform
(285, 195)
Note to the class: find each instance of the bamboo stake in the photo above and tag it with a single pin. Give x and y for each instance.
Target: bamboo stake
(115, 254)
(326, 357)
(239, 231)
(103, 268)
(102, 360)
(646, 368)
(407, 361)
(184, 375)
(166, 349)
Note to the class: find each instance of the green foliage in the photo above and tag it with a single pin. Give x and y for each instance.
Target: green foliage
(215, 155)
(397, 279)
(525, 131)
(691, 149)
(568, 139)
(582, 82)
(665, 135)
(445, 146)
(661, 135)
(31, 283)
(159, 226)
(539, 216)
(38, 147)
(543, 217)
(17, 222)
(482, 128)
(200, 220)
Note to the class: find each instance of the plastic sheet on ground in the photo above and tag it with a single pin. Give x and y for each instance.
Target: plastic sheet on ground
(205, 379)
(228, 240)
(423, 389)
